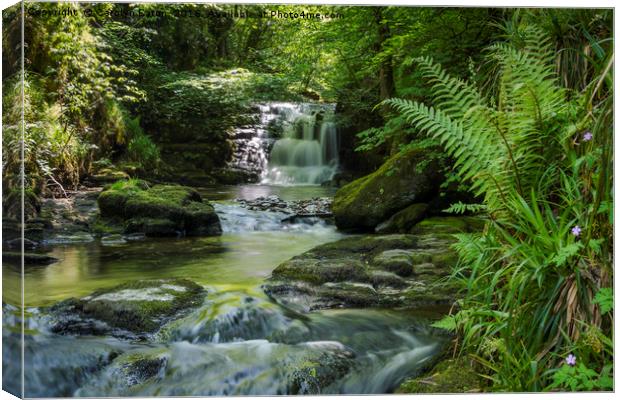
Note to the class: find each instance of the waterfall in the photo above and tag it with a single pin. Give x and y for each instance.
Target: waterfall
(307, 151)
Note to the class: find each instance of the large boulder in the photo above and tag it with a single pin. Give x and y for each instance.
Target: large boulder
(137, 307)
(406, 178)
(400, 270)
(160, 210)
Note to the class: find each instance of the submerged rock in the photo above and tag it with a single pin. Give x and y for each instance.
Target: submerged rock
(135, 307)
(404, 179)
(54, 366)
(399, 270)
(227, 317)
(253, 367)
(161, 210)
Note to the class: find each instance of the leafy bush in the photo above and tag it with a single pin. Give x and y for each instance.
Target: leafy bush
(540, 156)
(141, 148)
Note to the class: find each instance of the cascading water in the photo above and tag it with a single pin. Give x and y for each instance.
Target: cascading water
(307, 151)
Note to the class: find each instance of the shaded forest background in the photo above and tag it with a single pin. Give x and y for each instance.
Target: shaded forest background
(153, 91)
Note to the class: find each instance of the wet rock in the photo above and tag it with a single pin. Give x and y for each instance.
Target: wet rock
(227, 317)
(297, 211)
(17, 243)
(54, 366)
(29, 258)
(315, 372)
(136, 307)
(75, 237)
(111, 240)
(68, 219)
(406, 178)
(254, 367)
(106, 176)
(397, 261)
(161, 210)
(400, 270)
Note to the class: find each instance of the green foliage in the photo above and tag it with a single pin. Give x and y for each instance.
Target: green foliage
(529, 279)
(605, 299)
(581, 377)
(140, 147)
(462, 208)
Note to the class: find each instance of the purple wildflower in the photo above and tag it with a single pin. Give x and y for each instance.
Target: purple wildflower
(587, 136)
(571, 360)
(576, 231)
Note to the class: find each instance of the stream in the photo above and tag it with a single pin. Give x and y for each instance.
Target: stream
(238, 342)
(255, 346)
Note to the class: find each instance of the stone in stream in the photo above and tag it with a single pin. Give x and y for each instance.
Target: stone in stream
(406, 178)
(138, 307)
(227, 317)
(160, 210)
(12, 257)
(399, 270)
(297, 210)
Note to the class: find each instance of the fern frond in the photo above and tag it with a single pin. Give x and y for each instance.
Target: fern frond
(462, 208)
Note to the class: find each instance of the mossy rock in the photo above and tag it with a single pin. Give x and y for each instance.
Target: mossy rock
(314, 372)
(366, 271)
(160, 210)
(448, 376)
(319, 271)
(445, 225)
(395, 261)
(404, 220)
(406, 178)
(108, 175)
(137, 306)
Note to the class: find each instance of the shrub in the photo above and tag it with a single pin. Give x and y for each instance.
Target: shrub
(540, 156)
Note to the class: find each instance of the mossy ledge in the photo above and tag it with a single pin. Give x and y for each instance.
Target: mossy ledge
(159, 210)
(452, 375)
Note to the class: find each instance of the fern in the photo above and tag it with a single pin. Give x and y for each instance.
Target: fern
(462, 208)
(503, 147)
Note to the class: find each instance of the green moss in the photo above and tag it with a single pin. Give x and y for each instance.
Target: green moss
(445, 225)
(160, 210)
(102, 227)
(448, 376)
(368, 201)
(141, 306)
(404, 220)
(318, 272)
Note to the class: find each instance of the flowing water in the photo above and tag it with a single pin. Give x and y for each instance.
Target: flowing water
(307, 151)
(237, 342)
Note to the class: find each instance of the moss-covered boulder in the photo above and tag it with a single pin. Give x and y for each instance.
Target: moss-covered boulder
(407, 178)
(136, 307)
(448, 376)
(160, 210)
(368, 271)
